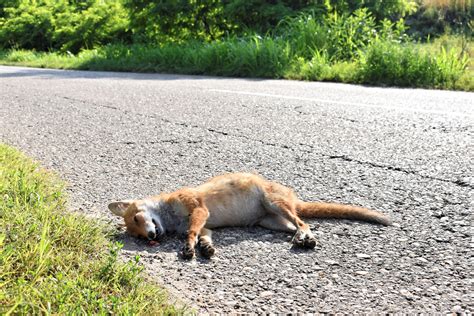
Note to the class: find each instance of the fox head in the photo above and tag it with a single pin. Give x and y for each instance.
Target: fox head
(141, 218)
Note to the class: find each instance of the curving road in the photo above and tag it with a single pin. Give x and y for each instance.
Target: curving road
(406, 152)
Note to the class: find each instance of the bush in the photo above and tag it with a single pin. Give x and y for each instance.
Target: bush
(99, 24)
(349, 34)
(348, 47)
(208, 20)
(393, 9)
(27, 26)
(436, 17)
(406, 65)
(74, 25)
(340, 37)
(317, 68)
(48, 25)
(177, 21)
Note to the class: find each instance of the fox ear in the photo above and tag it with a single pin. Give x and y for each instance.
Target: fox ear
(119, 208)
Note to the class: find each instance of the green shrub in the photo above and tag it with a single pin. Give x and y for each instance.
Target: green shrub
(347, 25)
(177, 21)
(349, 34)
(317, 68)
(436, 17)
(47, 25)
(339, 37)
(305, 34)
(262, 16)
(393, 9)
(320, 68)
(347, 48)
(407, 65)
(27, 26)
(98, 24)
(207, 20)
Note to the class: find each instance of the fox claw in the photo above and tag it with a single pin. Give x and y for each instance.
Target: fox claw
(309, 242)
(298, 239)
(187, 252)
(207, 250)
(304, 240)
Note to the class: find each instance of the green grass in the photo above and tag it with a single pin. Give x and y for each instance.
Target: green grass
(464, 45)
(409, 65)
(364, 45)
(379, 62)
(56, 262)
(242, 58)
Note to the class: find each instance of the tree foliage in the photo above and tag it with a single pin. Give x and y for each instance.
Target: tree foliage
(72, 25)
(62, 24)
(158, 21)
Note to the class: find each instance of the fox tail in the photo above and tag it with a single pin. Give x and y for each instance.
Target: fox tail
(334, 210)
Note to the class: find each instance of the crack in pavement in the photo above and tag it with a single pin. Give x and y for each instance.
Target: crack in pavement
(298, 110)
(166, 141)
(457, 182)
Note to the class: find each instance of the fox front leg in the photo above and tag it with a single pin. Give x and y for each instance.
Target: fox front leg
(197, 220)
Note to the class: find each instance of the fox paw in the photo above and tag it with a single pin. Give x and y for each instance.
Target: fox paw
(309, 242)
(207, 250)
(188, 252)
(304, 240)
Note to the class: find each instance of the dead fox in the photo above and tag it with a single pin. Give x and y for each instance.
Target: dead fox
(236, 199)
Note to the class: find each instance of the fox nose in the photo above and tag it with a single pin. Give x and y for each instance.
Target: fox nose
(151, 235)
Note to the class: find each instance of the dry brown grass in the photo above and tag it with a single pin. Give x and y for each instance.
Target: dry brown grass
(458, 5)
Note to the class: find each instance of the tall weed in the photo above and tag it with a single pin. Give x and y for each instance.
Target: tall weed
(252, 57)
(340, 37)
(407, 65)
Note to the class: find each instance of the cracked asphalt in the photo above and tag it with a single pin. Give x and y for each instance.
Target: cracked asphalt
(405, 152)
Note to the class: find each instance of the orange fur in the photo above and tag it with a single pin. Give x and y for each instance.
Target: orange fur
(334, 210)
(135, 229)
(238, 199)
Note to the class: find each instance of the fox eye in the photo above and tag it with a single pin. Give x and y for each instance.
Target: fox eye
(135, 219)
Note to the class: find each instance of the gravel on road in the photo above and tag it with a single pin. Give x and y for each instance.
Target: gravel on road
(405, 152)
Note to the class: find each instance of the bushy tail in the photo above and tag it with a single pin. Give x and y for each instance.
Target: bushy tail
(334, 210)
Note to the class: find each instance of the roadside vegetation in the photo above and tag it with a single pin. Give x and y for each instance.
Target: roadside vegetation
(55, 262)
(424, 43)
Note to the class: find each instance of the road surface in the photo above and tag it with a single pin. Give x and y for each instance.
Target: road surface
(405, 152)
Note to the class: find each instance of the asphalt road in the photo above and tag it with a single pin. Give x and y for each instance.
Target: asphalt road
(406, 152)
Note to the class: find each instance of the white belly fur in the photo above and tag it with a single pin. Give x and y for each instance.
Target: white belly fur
(236, 213)
(233, 200)
(233, 206)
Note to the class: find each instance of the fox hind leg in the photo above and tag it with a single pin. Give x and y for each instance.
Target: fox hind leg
(285, 207)
(278, 223)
